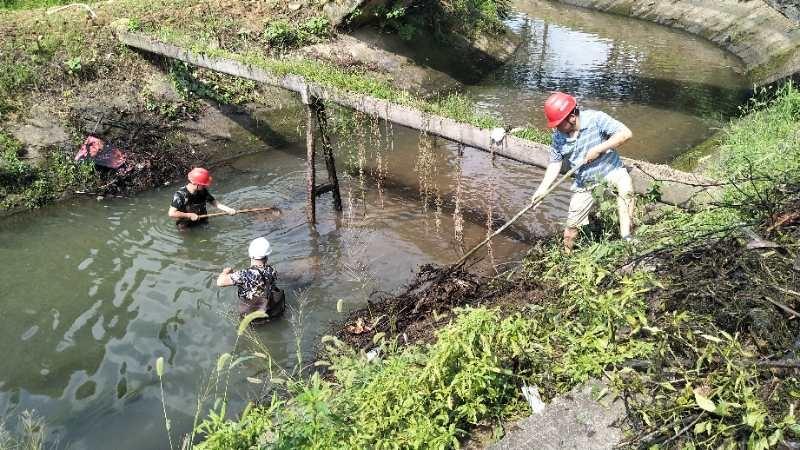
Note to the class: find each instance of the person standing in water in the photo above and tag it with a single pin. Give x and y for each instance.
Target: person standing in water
(256, 284)
(189, 202)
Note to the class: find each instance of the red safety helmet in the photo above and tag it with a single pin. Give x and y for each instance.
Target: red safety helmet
(557, 107)
(200, 176)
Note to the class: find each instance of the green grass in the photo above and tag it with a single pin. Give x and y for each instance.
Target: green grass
(763, 147)
(30, 4)
(15, 76)
(59, 55)
(535, 134)
(283, 34)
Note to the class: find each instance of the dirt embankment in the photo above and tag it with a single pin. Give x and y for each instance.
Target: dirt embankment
(766, 39)
(75, 80)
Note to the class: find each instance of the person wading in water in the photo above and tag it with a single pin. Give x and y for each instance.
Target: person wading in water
(587, 139)
(257, 290)
(189, 202)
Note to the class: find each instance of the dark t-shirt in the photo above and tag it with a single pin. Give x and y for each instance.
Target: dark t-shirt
(186, 202)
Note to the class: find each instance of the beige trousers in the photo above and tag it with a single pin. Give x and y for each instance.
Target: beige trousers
(582, 202)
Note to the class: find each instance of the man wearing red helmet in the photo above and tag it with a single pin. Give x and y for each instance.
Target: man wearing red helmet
(189, 202)
(588, 139)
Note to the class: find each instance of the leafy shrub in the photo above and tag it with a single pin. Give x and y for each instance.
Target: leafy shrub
(442, 17)
(22, 184)
(73, 65)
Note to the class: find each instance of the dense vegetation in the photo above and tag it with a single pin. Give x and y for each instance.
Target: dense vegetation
(417, 18)
(28, 4)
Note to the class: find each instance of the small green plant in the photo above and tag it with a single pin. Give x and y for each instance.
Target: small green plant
(73, 65)
(283, 35)
(134, 25)
(316, 27)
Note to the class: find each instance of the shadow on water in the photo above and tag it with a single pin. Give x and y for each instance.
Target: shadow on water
(452, 55)
(259, 129)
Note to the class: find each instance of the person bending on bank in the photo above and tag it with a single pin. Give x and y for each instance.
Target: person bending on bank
(256, 284)
(588, 140)
(189, 202)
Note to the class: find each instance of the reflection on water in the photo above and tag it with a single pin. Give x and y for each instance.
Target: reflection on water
(669, 87)
(94, 292)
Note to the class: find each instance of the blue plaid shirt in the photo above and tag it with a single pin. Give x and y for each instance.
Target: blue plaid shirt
(596, 127)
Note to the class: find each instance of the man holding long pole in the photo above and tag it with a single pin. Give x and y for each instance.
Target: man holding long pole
(588, 139)
(189, 202)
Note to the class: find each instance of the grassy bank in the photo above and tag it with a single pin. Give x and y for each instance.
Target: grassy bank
(29, 186)
(683, 324)
(347, 79)
(29, 4)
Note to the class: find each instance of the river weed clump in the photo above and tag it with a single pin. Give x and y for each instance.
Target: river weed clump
(29, 435)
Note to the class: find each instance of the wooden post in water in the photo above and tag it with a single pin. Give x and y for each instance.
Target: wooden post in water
(316, 116)
(327, 148)
(311, 170)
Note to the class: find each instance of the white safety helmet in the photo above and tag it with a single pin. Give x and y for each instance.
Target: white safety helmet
(259, 248)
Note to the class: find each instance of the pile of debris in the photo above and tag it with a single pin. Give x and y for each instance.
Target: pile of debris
(133, 150)
(413, 314)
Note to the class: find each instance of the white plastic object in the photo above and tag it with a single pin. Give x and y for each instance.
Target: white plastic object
(531, 394)
(374, 353)
(497, 135)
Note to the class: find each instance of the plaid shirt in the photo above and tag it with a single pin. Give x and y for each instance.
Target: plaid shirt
(596, 127)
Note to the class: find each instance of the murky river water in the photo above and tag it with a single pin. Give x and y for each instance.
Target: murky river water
(93, 292)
